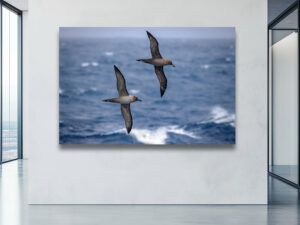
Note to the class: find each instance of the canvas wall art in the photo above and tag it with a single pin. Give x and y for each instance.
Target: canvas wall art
(147, 85)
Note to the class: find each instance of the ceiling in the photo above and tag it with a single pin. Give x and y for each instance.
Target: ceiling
(275, 7)
(19, 4)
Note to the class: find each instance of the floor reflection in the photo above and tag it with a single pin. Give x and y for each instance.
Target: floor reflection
(9, 142)
(14, 210)
(289, 172)
(10, 193)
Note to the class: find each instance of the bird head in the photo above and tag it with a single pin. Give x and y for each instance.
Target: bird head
(170, 63)
(137, 99)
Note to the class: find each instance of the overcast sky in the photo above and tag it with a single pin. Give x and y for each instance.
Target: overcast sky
(139, 32)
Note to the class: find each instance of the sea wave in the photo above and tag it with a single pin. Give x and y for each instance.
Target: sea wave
(109, 53)
(205, 66)
(85, 64)
(228, 59)
(95, 64)
(158, 136)
(193, 133)
(134, 91)
(81, 91)
(221, 115)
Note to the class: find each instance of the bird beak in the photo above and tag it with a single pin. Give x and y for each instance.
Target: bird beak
(173, 65)
(139, 100)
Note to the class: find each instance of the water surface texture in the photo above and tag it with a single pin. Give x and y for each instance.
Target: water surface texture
(198, 106)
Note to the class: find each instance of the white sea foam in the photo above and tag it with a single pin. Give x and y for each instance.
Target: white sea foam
(95, 64)
(158, 136)
(134, 91)
(61, 91)
(85, 64)
(94, 89)
(205, 66)
(228, 59)
(109, 53)
(221, 115)
(81, 90)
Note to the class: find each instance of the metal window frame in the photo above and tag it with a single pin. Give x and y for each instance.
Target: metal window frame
(20, 83)
(272, 24)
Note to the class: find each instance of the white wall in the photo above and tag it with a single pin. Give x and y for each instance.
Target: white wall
(144, 174)
(285, 100)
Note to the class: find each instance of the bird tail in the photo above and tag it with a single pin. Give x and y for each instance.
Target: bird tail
(143, 60)
(111, 100)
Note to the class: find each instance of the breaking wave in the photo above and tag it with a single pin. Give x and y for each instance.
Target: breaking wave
(160, 135)
(157, 136)
(221, 115)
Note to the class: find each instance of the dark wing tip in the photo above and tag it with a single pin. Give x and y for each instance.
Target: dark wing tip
(162, 91)
(163, 87)
(116, 69)
(149, 34)
(128, 130)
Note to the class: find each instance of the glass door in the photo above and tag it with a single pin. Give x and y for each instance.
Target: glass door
(284, 101)
(10, 84)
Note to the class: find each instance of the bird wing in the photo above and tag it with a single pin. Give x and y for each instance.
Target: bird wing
(159, 70)
(121, 83)
(125, 109)
(154, 46)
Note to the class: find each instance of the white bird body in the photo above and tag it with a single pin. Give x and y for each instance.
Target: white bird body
(126, 99)
(157, 61)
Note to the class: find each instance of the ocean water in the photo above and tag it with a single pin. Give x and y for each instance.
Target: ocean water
(198, 106)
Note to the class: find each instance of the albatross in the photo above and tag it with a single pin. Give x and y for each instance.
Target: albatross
(124, 99)
(158, 62)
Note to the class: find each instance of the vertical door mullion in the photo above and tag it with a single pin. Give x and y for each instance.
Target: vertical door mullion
(19, 124)
(1, 152)
(298, 5)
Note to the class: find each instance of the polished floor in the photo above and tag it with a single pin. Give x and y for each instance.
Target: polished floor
(283, 208)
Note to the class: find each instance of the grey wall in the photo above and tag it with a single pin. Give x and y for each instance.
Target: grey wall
(143, 174)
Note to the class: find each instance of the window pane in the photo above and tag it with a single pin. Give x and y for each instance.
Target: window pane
(9, 85)
(289, 22)
(285, 107)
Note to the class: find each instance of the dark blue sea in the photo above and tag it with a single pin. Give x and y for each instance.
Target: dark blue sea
(198, 106)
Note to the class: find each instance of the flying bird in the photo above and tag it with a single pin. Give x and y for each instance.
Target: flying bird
(124, 99)
(158, 62)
